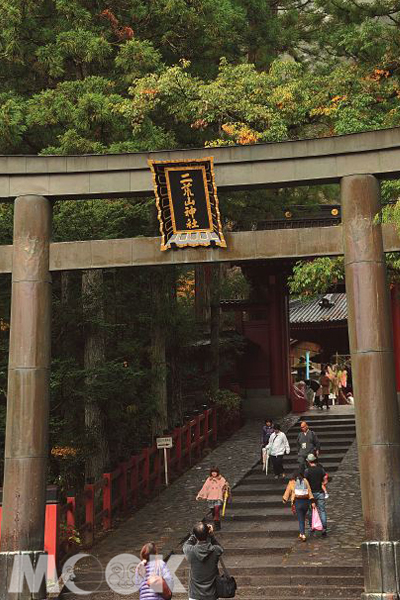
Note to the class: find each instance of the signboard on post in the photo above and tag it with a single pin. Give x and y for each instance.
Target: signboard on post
(163, 443)
(187, 203)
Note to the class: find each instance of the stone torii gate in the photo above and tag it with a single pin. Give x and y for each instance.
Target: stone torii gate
(357, 161)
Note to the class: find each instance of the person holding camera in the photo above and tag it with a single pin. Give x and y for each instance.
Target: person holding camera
(202, 552)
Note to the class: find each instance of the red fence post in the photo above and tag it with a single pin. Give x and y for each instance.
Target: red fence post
(89, 514)
(189, 443)
(178, 448)
(134, 480)
(168, 456)
(197, 436)
(157, 469)
(70, 514)
(206, 426)
(123, 485)
(107, 501)
(146, 471)
(214, 425)
(52, 527)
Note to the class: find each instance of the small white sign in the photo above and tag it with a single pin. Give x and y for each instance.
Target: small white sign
(164, 442)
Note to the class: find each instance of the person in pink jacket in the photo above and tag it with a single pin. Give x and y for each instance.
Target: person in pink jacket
(213, 491)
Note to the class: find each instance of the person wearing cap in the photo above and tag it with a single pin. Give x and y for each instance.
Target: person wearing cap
(317, 478)
(307, 443)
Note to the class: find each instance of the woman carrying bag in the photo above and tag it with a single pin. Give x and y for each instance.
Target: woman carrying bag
(152, 576)
(298, 491)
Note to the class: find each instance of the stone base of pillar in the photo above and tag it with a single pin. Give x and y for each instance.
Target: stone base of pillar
(23, 575)
(381, 562)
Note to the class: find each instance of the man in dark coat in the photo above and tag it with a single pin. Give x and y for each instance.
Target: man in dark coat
(202, 552)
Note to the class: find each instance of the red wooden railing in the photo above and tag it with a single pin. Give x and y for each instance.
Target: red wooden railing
(130, 484)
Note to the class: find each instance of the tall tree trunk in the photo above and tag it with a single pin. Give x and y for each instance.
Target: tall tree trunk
(94, 358)
(215, 328)
(158, 286)
(175, 356)
(66, 300)
(202, 296)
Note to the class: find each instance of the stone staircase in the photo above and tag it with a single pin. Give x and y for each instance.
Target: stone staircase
(259, 533)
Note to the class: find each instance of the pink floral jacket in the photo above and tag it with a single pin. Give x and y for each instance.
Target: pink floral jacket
(213, 488)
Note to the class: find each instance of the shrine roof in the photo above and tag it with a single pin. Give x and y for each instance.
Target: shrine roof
(327, 308)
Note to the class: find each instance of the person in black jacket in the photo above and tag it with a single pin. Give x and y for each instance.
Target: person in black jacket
(202, 552)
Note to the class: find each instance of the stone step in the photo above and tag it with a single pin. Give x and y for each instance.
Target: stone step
(271, 528)
(325, 457)
(252, 568)
(326, 428)
(270, 571)
(243, 514)
(328, 440)
(255, 502)
(259, 490)
(285, 580)
(247, 593)
(264, 561)
(252, 549)
(281, 591)
(329, 450)
(326, 415)
(281, 534)
(338, 448)
(290, 467)
(268, 483)
(324, 435)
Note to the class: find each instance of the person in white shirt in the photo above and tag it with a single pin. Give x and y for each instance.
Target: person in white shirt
(278, 445)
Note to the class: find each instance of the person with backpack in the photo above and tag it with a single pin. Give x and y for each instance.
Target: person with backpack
(307, 443)
(299, 492)
(277, 446)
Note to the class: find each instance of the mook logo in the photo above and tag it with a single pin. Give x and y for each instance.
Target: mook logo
(83, 574)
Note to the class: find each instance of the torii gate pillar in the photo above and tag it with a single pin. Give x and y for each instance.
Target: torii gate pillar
(24, 492)
(377, 415)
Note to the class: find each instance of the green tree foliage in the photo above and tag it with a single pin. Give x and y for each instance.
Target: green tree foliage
(86, 76)
(318, 276)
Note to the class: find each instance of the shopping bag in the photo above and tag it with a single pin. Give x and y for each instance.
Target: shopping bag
(316, 524)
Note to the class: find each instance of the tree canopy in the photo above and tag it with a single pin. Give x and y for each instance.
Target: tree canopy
(100, 76)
